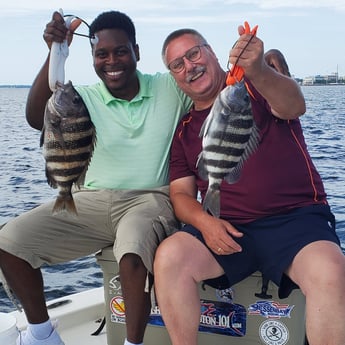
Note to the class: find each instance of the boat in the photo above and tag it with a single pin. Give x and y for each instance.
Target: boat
(248, 313)
(78, 316)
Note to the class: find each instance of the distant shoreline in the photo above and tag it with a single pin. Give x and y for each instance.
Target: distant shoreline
(330, 84)
(9, 86)
(15, 86)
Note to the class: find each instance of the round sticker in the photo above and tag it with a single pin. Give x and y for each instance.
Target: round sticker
(117, 306)
(274, 332)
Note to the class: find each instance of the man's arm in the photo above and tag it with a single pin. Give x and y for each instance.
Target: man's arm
(39, 94)
(187, 208)
(281, 92)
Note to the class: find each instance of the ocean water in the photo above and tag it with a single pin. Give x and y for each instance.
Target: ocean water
(24, 186)
(23, 182)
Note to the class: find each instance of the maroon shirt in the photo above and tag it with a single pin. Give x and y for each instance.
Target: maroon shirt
(279, 176)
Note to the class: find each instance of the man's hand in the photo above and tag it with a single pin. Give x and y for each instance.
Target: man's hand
(219, 236)
(56, 30)
(247, 53)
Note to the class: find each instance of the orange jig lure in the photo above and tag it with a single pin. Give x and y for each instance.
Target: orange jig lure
(236, 73)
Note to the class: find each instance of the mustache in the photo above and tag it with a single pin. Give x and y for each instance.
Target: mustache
(194, 72)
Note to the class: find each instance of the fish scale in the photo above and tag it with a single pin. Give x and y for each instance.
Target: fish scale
(68, 138)
(229, 136)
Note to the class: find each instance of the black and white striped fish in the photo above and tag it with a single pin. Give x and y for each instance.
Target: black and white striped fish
(68, 139)
(230, 136)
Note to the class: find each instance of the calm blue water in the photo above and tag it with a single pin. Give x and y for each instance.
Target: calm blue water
(23, 183)
(23, 186)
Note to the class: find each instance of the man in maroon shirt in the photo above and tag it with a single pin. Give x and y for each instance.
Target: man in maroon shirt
(275, 219)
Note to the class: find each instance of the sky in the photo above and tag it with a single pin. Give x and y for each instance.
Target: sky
(310, 33)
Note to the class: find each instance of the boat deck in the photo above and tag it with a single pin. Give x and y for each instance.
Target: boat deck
(77, 317)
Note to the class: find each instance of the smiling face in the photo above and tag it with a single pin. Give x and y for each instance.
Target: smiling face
(115, 62)
(201, 79)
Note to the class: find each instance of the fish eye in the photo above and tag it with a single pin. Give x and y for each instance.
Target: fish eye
(76, 99)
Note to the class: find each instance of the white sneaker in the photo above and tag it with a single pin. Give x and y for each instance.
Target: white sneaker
(26, 338)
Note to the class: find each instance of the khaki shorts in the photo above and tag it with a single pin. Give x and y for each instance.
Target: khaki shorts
(132, 221)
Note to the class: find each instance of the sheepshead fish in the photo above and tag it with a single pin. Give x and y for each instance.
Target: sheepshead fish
(68, 138)
(230, 136)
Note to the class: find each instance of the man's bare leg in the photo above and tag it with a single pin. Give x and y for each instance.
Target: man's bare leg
(133, 276)
(319, 270)
(27, 284)
(181, 262)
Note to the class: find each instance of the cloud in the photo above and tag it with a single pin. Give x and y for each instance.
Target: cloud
(156, 6)
(272, 4)
(298, 27)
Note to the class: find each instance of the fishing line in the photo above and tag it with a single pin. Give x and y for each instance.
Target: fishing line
(93, 39)
(239, 56)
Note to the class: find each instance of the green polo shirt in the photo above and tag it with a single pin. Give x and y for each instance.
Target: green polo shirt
(133, 137)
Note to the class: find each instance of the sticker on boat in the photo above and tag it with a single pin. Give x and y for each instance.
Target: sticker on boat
(270, 309)
(273, 332)
(117, 308)
(216, 317)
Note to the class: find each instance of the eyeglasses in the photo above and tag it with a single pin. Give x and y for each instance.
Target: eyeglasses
(192, 55)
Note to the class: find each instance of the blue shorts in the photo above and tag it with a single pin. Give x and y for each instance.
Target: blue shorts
(270, 244)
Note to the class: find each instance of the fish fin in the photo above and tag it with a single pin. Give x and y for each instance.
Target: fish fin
(65, 203)
(42, 136)
(211, 202)
(81, 179)
(205, 126)
(201, 167)
(234, 174)
(253, 143)
(52, 183)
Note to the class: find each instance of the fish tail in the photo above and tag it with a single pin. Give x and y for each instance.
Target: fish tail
(211, 202)
(65, 203)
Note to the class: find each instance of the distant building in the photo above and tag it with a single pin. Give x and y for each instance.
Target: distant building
(323, 79)
(308, 81)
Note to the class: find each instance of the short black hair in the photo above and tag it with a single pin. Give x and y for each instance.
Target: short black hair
(178, 33)
(113, 20)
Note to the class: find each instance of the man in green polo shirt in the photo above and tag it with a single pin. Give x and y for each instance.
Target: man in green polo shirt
(124, 202)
